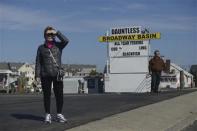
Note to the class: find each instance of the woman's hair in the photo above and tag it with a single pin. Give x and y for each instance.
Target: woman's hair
(46, 29)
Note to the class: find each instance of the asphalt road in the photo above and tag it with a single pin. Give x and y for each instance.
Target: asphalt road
(26, 112)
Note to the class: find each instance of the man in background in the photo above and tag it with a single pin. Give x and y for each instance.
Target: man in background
(156, 66)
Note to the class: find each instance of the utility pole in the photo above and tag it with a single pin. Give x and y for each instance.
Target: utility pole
(181, 80)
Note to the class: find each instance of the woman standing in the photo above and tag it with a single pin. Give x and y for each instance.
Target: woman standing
(48, 62)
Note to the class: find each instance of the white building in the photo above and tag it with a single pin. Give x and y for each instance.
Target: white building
(172, 80)
(78, 70)
(28, 70)
(5, 80)
(85, 71)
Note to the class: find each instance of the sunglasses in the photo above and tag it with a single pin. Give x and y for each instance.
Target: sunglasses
(50, 34)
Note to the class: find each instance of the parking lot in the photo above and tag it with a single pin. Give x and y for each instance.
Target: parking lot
(26, 112)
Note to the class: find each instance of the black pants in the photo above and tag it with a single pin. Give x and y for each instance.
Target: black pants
(155, 81)
(58, 91)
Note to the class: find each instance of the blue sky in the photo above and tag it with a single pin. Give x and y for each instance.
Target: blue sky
(82, 21)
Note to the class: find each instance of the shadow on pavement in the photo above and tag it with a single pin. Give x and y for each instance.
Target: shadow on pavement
(28, 117)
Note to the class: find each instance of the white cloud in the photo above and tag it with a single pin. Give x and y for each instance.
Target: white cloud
(23, 19)
(153, 23)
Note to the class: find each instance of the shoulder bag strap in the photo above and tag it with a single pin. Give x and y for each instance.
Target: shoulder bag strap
(53, 58)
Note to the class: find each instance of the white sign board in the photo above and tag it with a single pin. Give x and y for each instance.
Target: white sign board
(128, 56)
(129, 65)
(128, 61)
(128, 48)
(127, 83)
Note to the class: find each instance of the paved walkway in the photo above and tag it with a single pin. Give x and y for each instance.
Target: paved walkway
(169, 115)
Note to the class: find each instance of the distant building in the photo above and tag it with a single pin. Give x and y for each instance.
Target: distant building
(4, 66)
(172, 79)
(78, 70)
(74, 81)
(5, 78)
(14, 67)
(11, 71)
(28, 70)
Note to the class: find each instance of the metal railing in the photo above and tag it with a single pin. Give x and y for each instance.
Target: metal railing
(145, 85)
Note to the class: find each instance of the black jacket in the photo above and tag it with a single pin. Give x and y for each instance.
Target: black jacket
(45, 65)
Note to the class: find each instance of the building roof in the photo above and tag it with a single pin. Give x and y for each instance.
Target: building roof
(5, 71)
(181, 69)
(13, 66)
(4, 66)
(85, 70)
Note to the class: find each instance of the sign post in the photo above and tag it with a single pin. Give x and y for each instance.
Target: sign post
(128, 57)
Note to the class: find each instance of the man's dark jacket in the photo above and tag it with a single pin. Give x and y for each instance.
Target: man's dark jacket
(156, 64)
(45, 65)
